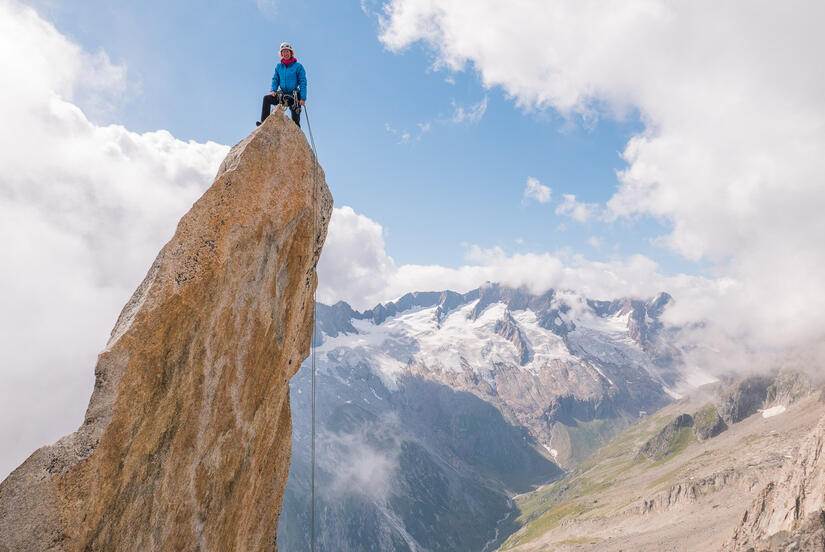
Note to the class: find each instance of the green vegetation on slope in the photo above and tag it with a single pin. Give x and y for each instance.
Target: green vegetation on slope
(708, 423)
(680, 441)
(586, 438)
(576, 495)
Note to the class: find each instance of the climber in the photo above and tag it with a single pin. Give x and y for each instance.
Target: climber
(289, 86)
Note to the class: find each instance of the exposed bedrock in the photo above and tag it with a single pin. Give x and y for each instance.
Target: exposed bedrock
(789, 513)
(186, 440)
(743, 398)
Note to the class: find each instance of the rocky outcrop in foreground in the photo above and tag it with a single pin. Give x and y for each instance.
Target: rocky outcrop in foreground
(789, 514)
(186, 440)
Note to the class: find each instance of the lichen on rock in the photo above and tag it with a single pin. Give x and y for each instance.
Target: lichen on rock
(186, 440)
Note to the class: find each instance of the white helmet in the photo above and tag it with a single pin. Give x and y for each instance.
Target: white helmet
(286, 46)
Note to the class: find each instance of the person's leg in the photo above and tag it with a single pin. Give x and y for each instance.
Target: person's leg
(269, 101)
(295, 108)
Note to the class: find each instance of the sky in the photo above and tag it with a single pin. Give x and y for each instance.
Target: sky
(425, 153)
(615, 148)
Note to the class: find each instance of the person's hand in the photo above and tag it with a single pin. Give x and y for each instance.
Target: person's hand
(303, 102)
(271, 93)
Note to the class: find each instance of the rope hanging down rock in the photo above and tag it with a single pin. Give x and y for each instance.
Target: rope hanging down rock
(314, 325)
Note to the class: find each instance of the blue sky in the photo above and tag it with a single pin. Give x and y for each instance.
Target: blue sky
(199, 71)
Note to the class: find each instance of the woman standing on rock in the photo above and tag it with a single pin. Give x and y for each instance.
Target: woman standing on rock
(289, 86)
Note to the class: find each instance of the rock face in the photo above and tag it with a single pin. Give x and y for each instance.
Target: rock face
(743, 398)
(789, 514)
(186, 440)
(669, 439)
(690, 491)
(707, 423)
(787, 388)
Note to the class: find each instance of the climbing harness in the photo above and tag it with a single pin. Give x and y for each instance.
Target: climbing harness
(314, 322)
(281, 102)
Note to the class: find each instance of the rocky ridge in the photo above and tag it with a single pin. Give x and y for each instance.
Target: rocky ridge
(556, 363)
(789, 513)
(186, 441)
(694, 495)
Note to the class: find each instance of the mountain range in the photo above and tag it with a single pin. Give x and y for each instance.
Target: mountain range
(434, 410)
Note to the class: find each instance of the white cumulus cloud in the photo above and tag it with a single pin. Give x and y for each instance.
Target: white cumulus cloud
(83, 209)
(536, 190)
(356, 268)
(577, 210)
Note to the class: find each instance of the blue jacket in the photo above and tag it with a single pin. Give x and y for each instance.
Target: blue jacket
(290, 78)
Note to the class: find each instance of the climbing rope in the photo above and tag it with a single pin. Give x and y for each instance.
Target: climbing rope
(314, 322)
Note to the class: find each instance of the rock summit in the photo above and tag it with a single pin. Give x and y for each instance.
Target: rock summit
(186, 440)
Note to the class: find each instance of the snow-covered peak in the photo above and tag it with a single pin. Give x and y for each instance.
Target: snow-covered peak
(491, 327)
(540, 359)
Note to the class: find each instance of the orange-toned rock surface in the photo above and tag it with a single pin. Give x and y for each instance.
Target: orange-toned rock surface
(186, 440)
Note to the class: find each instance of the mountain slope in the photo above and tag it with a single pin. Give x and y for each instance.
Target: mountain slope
(789, 513)
(419, 467)
(435, 409)
(688, 497)
(552, 363)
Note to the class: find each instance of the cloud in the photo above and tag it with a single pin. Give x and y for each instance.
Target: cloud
(370, 7)
(578, 211)
(356, 268)
(363, 462)
(731, 98)
(470, 114)
(354, 263)
(84, 209)
(405, 136)
(536, 190)
(269, 8)
(43, 61)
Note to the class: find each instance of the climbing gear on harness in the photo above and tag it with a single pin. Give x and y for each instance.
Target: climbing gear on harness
(288, 99)
(282, 100)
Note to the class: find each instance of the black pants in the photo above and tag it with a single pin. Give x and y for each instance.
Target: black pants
(283, 98)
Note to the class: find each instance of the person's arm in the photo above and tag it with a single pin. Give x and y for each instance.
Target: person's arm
(302, 82)
(276, 81)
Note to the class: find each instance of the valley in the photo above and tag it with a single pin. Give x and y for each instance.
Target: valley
(691, 497)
